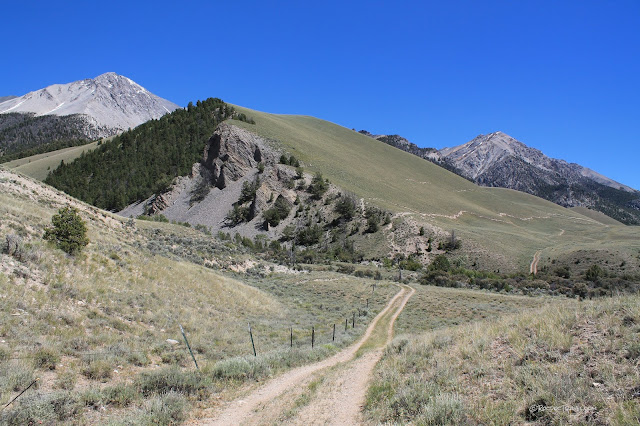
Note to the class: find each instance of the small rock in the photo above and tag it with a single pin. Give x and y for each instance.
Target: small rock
(172, 342)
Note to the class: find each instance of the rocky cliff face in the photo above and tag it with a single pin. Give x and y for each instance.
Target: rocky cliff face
(109, 103)
(232, 153)
(232, 158)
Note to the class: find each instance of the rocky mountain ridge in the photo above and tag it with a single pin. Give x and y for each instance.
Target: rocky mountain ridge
(429, 154)
(498, 160)
(109, 103)
(478, 157)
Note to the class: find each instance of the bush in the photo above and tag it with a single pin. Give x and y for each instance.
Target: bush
(120, 395)
(593, 273)
(13, 247)
(68, 231)
(279, 211)
(563, 272)
(40, 408)
(98, 370)
(411, 264)
(291, 161)
(318, 186)
(237, 215)
(154, 218)
(171, 379)
(346, 207)
(309, 235)
(46, 359)
(440, 263)
(168, 409)
(66, 380)
(372, 225)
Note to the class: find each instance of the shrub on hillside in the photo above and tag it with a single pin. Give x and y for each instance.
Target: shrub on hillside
(318, 186)
(237, 215)
(68, 231)
(346, 207)
(440, 263)
(279, 211)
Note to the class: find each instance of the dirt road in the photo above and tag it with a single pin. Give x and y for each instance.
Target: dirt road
(331, 391)
(533, 269)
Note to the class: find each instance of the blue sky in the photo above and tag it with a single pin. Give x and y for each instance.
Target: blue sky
(561, 76)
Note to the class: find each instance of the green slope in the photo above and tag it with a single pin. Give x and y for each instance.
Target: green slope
(38, 166)
(596, 215)
(506, 225)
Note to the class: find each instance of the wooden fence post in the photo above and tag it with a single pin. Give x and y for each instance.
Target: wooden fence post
(333, 339)
(313, 336)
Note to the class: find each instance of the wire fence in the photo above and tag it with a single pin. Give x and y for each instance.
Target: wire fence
(331, 328)
(314, 331)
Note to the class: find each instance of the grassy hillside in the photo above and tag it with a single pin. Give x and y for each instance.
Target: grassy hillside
(94, 328)
(567, 363)
(499, 227)
(596, 215)
(38, 166)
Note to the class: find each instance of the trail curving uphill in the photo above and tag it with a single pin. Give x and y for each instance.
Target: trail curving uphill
(345, 375)
(533, 269)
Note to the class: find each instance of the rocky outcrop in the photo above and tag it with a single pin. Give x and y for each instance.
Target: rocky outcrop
(232, 159)
(231, 153)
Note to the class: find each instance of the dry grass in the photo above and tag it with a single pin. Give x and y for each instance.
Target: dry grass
(569, 362)
(101, 319)
(433, 308)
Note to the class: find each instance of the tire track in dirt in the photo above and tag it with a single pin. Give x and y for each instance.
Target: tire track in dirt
(263, 403)
(343, 394)
(533, 269)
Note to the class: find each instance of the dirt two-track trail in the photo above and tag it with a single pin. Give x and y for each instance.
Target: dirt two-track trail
(533, 268)
(329, 392)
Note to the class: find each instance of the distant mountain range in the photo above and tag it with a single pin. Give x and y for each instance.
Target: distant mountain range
(498, 160)
(86, 109)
